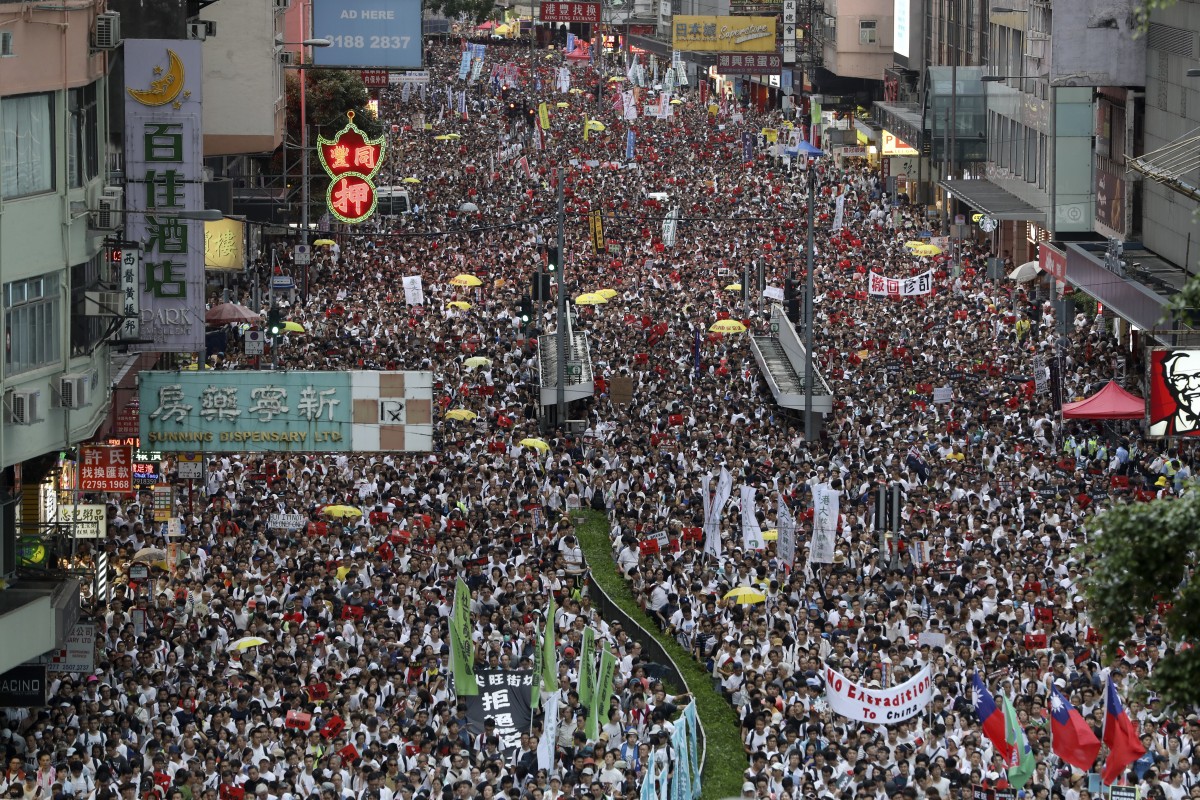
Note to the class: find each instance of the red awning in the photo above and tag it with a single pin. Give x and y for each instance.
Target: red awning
(1111, 402)
(578, 54)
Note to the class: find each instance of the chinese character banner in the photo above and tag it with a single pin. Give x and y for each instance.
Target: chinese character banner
(163, 172)
(504, 697)
(260, 411)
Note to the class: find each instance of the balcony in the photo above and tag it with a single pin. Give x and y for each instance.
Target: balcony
(35, 616)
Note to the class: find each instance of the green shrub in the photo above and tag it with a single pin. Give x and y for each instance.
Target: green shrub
(725, 758)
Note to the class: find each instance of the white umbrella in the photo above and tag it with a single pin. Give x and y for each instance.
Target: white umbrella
(1026, 272)
(468, 208)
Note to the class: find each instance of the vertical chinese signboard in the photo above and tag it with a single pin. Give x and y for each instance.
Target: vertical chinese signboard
(351, 160)
(163, 164)
(105, 469)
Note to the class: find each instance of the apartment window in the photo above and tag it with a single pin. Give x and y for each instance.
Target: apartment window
(26, 145)
(31, 324)
(1043, 153)
(83, 140)
(867, 32)
(1031, 155)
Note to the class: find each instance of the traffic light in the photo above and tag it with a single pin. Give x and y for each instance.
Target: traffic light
(539, 287)
(791, 299)
(274, 321)
(552, 259)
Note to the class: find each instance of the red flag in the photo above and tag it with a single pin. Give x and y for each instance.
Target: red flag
(1073, 740)
(990, 719)
(1120, 734)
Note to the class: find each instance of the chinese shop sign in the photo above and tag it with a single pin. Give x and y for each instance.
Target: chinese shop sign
(163, 157)
(351, 161)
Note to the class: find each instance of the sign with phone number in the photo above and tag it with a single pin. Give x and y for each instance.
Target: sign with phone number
(368, 33)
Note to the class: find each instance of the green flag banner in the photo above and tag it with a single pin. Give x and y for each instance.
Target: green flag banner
(587, 668)
(462, 648)
(1021, 770)
(602, 693)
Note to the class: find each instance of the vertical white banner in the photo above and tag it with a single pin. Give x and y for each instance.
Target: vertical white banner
(840, 212)
(752, 538)
(826, 506)
(414, 292)
(785, 523)
(546, 744)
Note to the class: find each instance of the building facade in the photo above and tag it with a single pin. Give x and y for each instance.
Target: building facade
(56, 278)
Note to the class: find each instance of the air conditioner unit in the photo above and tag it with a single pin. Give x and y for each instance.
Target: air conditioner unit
(107, 216)
(75, 390)
(108, 30)
(201, 29)
(287, 58)
(24, 406)
(104, 304)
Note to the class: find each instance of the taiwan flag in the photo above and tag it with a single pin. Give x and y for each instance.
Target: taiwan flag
(1120, 735)
(991, 719)
(1072, 739)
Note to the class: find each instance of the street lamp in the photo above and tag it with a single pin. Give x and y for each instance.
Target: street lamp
(304, 140)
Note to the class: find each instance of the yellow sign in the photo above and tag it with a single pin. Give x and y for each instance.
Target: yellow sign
(712, 34)
(596, 229)
(224, 245)
(544, 116)
(165, 87)
(893, 145)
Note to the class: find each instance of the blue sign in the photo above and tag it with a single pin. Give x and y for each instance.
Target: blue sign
(629, 140)
(257, 411)
(368, 33)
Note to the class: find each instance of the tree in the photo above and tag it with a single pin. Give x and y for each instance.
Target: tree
(1142, 563)
(329, 94)
(475, 11)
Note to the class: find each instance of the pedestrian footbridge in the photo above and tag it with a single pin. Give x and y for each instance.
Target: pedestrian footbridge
(780, 357)
(579, 378)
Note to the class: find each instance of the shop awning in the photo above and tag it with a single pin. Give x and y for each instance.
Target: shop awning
(997, 203)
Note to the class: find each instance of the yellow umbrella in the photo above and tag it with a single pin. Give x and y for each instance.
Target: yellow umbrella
(292, 327)
(676, 102)
(594, 125)
(733, 287)
(461, 414)
(771, 535)
(536, 444)
(445, 137)
(577, 91)
(927, 250)
(324, 243)
(589, 299)
(615, 79)
(744, 596)
(915, 243)
(464, 279)
(342, 512)
(478, 361)
(607, 294)
(562, 105)
(461, 305)
(727, 326)
(411, 180)
(245, 643)
(453, 135)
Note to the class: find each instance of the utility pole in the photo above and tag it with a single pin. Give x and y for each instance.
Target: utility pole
(564, 323)
(808, 305)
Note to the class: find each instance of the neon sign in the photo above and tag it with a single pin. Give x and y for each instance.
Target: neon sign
(351, 160)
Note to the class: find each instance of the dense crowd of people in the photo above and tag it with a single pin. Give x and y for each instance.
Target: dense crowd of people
(996, 493)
